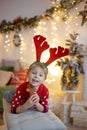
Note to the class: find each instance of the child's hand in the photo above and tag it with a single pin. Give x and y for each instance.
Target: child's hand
(35, 98)
(32, 101)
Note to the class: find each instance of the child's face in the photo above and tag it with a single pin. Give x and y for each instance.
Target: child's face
(36, 76)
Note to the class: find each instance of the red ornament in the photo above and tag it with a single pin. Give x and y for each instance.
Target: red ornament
(17, 20)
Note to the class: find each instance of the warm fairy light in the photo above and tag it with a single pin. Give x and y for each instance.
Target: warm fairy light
(54, 28)
(67, 29)
(76, 24)
(76, 17)
(73, 2)
(54, 15)
(52, 33)
(20, 35)
(66, 34)
(53, 2)
(44, 23)
(76, 8)
(41, 23)
(53, 23)
(40, 27)
(65, 22)
(6, 35)
(35, 29)
(21, 52)
(77, 13)
(54, 70)
(55, 9)
(44, 29)
(7, 42)
(21, 58)
(21, 47)
(50, 79)
(55, 40)
(57, 18)
(68, 26)
(65, 10)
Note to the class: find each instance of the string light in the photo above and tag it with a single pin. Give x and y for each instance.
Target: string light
(70, 22)
(7, 41)
(55, 2)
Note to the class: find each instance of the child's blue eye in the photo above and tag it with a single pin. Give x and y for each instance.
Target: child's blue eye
(33, 72)
(41, 75)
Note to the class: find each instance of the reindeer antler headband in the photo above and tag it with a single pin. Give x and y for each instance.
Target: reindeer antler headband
(42, 45)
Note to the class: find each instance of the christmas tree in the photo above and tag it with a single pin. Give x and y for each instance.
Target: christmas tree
(72, 65)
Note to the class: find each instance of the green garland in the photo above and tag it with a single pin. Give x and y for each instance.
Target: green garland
(18, 23)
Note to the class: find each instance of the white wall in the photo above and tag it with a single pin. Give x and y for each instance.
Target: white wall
(11, 9)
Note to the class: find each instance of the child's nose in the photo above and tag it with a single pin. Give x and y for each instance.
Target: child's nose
(36, 75)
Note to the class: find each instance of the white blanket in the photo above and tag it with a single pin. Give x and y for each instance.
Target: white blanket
(32, 120)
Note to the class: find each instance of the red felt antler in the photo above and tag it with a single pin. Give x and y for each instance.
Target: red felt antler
(41, 45)
(56, 53)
